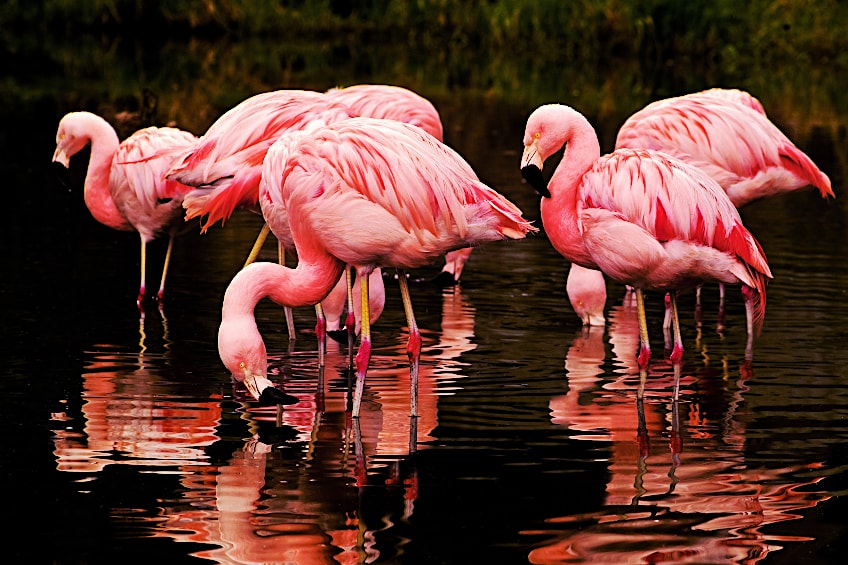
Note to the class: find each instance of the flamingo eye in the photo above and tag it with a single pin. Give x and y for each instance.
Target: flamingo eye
(537, 135)
(242, 365)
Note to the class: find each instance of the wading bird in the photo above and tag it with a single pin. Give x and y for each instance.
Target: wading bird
(368, 193)
(125, 187)
(726, 134)
(644, 218)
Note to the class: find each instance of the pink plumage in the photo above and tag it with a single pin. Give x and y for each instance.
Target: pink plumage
(225, 164)
(392, 103)
(642, 217)
(726, 134)
(368, 193)
(125, 187)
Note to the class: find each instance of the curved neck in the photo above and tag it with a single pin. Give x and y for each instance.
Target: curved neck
(581, 151)
(306, 285)
(97, 192)
(559, 212)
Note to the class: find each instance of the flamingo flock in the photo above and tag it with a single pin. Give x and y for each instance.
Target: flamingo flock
(355, 180)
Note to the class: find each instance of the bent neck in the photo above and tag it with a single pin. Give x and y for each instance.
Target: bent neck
(305, 285)
(97, 191)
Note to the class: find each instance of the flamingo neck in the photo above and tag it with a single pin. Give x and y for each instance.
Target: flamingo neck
(97, 191)
(560, 211)
(305, 285)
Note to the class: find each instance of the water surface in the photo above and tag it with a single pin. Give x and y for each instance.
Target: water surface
(127, 441)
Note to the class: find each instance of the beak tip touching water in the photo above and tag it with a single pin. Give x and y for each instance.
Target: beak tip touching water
(533, 175)
(273, 395)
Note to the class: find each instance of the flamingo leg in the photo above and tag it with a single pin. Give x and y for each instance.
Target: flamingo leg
(320, 332)
(141, 287)
(720, 322)
(161, 293)
(413, 345)
(281, 259)
(644, 355)
(676, 353)
(698, 311)
(350, 321)
(363, 356)
(257, 246)
(667, 325)
(748, 294)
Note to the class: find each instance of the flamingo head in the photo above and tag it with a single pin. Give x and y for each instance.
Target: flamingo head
(242, 350)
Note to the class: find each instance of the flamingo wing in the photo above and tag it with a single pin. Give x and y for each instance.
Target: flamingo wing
(654, 191)
(137, 182)
(392, 103)
(225, 165)
(734, 143)
(364, 172)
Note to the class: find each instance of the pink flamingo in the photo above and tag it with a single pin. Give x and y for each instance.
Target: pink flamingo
(644, 218)
(124, 186)
(403, 105)
(368, 193)
(725, 133)
(225, 165)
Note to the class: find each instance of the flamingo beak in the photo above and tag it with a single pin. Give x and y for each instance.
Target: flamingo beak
(264, 391)
(531, 169)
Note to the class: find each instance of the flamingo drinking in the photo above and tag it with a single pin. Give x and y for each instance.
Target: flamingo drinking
(368, 193)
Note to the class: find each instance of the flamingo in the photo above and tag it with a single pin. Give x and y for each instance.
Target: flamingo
(401, 104)
(643, 218)
(124, 187)
(369, 193)
(725, 132)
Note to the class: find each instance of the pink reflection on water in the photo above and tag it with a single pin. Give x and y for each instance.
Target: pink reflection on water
(132, 416)
(262, 505)
(688, 498)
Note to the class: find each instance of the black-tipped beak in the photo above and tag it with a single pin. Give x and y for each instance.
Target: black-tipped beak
(533, 175)
(272, 396)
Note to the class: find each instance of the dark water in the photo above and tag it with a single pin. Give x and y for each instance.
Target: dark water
(126, 441)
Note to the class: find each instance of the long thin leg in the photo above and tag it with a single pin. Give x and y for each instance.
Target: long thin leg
(363, 356)
(720, 321)
(321, 332)
(161, 293)
(281, 259)
(257, 246)
(748, 294)
(676, 353)
(413, 345)
(141, 286)
(644, 356)
(350, 321)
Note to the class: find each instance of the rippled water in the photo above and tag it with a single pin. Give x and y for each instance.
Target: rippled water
(127, 442)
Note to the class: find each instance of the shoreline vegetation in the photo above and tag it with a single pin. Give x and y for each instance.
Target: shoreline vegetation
(185, 61)
(724, 32)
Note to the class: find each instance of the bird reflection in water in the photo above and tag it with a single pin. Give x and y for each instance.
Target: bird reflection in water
(305, 484)
(690, 498)
(132, 414)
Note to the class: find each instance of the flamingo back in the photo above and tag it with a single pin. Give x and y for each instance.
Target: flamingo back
(225, 164)
(392, 103)
(735, 143)
(351, 176)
